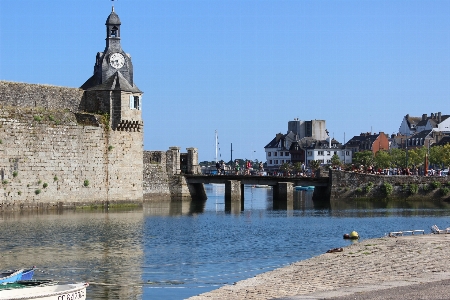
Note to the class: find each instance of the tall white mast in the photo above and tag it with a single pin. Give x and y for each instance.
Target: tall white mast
(217, 142)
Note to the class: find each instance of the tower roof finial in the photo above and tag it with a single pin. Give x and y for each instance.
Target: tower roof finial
(112, 5)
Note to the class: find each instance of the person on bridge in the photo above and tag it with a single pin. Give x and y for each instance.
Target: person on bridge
(218, 167)
(237, 167)
(248, 167)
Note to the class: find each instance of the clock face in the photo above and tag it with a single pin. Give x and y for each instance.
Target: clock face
(116, 60)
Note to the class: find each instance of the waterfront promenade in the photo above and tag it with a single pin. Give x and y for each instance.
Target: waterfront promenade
(405, 267)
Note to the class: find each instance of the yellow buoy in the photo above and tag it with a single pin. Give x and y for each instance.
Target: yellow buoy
(354, 235)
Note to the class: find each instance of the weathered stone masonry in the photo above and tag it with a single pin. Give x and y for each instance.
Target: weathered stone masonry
(162, 174)
(346, 185)
(52, 154)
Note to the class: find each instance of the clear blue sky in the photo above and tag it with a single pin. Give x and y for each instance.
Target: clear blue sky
(245, 68)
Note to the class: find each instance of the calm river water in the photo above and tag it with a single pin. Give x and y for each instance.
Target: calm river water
(177, 250)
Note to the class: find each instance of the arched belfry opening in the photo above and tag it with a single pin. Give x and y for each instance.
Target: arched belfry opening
(114, 32)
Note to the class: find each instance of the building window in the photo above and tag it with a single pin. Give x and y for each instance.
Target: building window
(114, 32)
(135, 102)
(269, 154)
(309, 153)
(275, 154)
(286, 154)
(328, 153)
(347, 153)
(276, 161)
(282, 161)
(335, 152)
(319, 152)
(270, 162)
(281, 153)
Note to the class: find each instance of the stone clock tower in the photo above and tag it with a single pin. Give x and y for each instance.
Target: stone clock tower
(111, 88)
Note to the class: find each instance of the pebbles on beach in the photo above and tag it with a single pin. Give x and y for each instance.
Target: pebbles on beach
(367, 265)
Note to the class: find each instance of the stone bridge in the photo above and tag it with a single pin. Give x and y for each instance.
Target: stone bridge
(283, 187)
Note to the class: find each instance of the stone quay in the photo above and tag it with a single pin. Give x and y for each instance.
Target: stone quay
(363, 270)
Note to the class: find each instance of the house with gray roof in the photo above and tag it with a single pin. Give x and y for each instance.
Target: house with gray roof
(436, 122)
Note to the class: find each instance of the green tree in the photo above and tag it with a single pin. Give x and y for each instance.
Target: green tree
(398, 158)
(416, 156)
(297, 167)
(314, 165)
(382, 159)
(364, 158)
(286, 168)
(446, 156)
(335, 160)
(436, 155)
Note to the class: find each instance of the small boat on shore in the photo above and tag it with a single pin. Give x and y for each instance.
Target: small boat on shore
(24, 284)
(261, 186)
(11, 276)
(15, 275)
(46, 291)
(304, 188)
(27, 274)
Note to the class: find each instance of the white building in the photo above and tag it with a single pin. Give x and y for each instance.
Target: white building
(436, 122)
(324, 150)
(279, 151)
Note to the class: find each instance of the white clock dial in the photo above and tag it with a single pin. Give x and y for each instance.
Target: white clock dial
(117, 60)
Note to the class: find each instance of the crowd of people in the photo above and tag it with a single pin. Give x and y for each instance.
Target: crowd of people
(398, 171)
(236, 169)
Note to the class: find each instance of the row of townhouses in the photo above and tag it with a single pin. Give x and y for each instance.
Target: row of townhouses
(310, 140)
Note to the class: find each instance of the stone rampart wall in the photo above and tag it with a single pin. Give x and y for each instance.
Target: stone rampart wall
(346, 185)
(156, 178)
(48, 159)
(39, 95)
(162, 178)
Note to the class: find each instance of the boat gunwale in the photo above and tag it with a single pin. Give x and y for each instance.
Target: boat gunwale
(78, 287)
(14, 273)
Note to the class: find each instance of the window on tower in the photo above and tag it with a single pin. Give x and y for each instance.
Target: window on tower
(114, 32)
(135, 102)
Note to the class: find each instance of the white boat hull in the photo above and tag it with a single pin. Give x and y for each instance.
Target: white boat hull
(75, 291)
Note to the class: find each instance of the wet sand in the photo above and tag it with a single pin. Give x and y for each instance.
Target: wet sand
(385, 268)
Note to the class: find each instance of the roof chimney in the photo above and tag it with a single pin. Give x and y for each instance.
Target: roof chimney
(432, 115)
(439, 117)
(424, 117)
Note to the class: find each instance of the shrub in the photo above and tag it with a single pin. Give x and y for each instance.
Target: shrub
(425, 187)
(387, 188)
(37, 192)
(45, 185)
(15, 173)
(19, 193)
(86, 182)
(413, 188)
(110, 148)
(435, 185)
(55, 178)
(40, 181)
(37, 118)
(444, 191)
(5, 181)
(1, 142)
(359, 190)
(405, 188)
(51, 118)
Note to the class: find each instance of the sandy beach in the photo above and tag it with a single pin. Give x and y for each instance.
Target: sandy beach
(404, 267)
